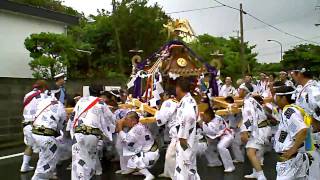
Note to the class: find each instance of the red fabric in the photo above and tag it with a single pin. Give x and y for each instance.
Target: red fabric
(89, 107)
(29, 98)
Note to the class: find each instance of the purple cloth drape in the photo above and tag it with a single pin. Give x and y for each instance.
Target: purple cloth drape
(137, 88)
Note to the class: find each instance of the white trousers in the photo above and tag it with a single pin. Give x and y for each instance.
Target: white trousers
(224, 143)
(143, 160)
(84, 156)
(48, 156)
(186, 164)
(170, 161)
(315, 166)
(293, 169)
(28, 138)
(236, 147)
(212, 154)
(123, 160)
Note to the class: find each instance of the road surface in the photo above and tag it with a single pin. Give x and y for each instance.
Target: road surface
(10, 161)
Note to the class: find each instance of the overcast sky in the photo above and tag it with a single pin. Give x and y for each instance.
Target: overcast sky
(293, 16)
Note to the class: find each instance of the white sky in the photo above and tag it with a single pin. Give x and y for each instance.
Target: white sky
(294, 16)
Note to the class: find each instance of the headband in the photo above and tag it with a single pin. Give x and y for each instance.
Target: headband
(300, 70)
(276, 87)
(286, 93)
(244, 87)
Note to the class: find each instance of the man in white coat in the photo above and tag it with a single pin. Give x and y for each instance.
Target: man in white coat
(91, 121)
(293, 162)
(308, 98)
(186, 148)
(227, 89)
(216, 128)
(30, 103)
(50, 118)
(254, 136)
(167, 116)
(138, 145)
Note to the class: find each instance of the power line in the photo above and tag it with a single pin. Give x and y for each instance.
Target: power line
(198, 9)
(280, 30)
(226, 5)
(270, 25)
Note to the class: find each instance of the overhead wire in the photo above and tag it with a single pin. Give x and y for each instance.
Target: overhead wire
(192, 10)
(267, 24)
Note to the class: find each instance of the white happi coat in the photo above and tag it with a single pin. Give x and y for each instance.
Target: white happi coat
(253, 114)
(308, 98)
(84, 149)
(216, 128)
(262, 87)
(187, 114)
(52, 115)
(290, 124)
(137, 144)
(227, 91)
(167, 116)
(29, 112)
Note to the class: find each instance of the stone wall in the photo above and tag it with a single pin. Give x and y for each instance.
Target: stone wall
(12, 91)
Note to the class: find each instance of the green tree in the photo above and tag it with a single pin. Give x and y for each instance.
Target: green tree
(230, 48)
(109, 36)
(303, 55)
(139, 26)
(51, 53)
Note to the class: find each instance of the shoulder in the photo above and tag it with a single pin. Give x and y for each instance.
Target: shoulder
(169, 103)
(138, 128)
(217, 117)
(291, 111)
(29, 93)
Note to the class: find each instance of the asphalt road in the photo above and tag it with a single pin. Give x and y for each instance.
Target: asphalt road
(9, 169)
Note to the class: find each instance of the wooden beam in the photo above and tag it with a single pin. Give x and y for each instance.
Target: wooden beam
(224, 112)
(143, 106)
(147, 120)
(220, 103)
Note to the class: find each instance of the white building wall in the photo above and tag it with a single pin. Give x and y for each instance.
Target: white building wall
(14, 29)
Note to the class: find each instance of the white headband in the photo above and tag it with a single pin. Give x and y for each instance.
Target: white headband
(293, 93)
(301, 70)
(244, 87)
(286, 93)
(276, 87)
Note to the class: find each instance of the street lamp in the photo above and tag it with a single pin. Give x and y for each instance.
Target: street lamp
(272, 40)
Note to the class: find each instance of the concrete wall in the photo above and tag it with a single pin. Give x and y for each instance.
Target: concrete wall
(15, 28)
(12, 91)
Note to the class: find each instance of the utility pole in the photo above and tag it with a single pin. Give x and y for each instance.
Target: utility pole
(242, 58)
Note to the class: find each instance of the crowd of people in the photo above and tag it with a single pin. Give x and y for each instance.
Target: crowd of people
(277, 114)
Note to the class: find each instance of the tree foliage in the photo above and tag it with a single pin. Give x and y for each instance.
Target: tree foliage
(230, 48)
(51, 54)
(132, 25)
(304, 55)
